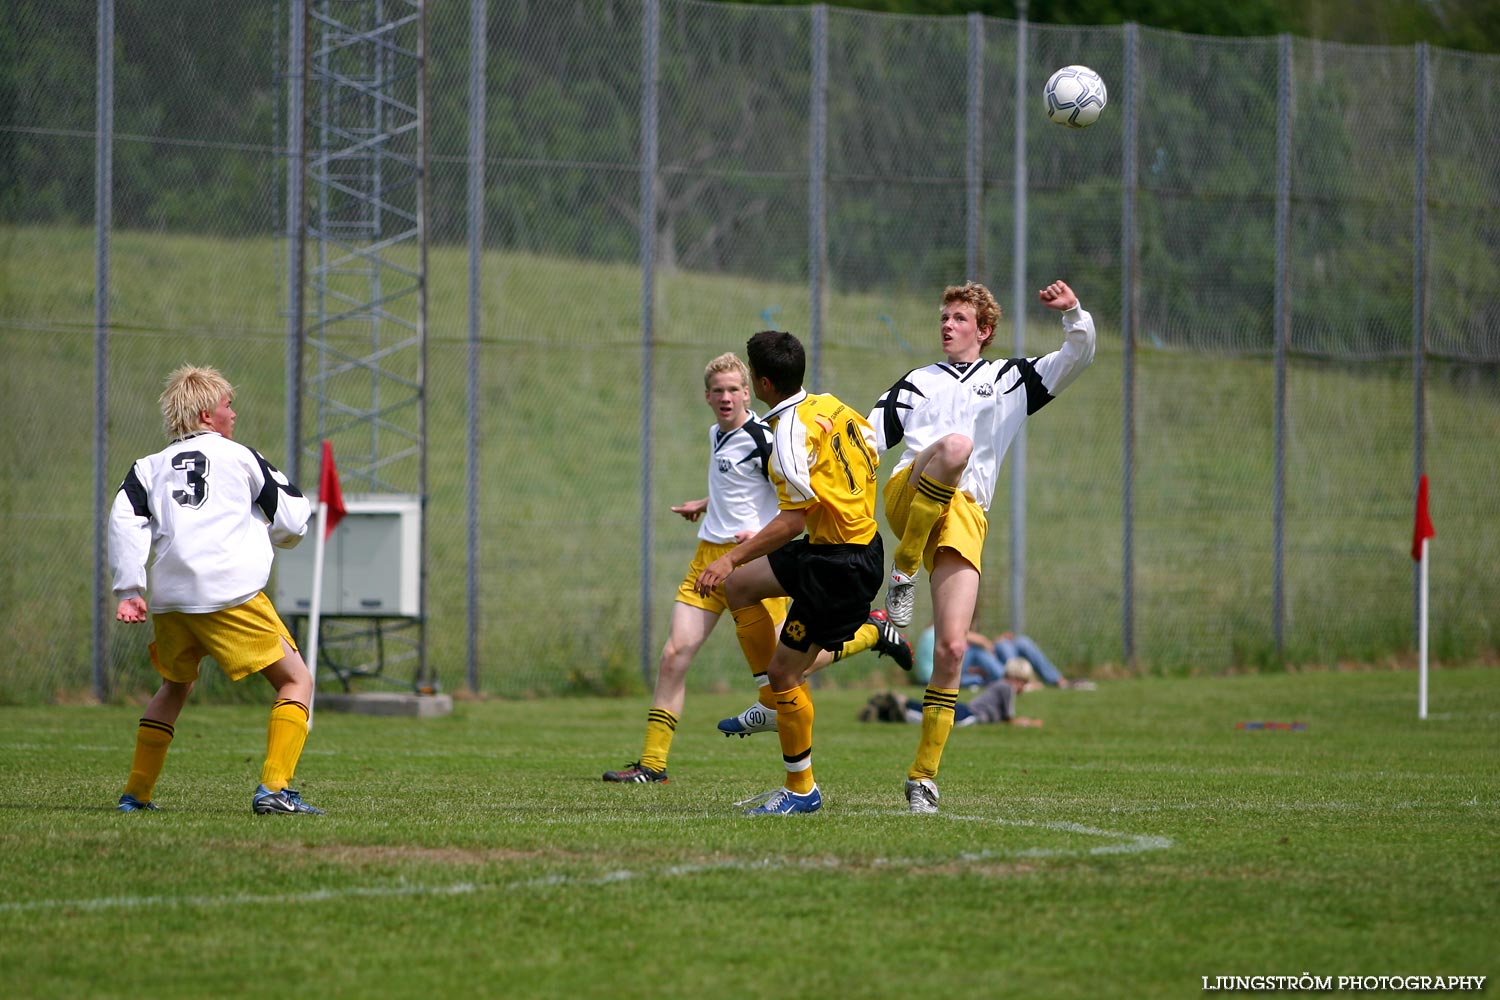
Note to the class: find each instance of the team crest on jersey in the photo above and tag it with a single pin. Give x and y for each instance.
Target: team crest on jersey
(984, 390)
(724, 465)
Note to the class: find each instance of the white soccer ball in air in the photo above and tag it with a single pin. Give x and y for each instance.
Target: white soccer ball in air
(1075, 95)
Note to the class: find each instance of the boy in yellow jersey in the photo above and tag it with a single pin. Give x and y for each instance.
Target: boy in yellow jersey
(823, 464)
(741, 499)
(955, 419)
(206, 512)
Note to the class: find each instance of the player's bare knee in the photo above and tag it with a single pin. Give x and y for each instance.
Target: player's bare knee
(954, 450)
(675, 660)
(950, 651)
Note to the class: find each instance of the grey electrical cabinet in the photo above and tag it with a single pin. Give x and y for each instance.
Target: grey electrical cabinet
(371, 563)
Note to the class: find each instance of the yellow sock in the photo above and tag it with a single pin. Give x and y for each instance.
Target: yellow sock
(863, 639)
(929, 503)
(152, 739)
(794, 724)
(660, 725)
(285, 736)
(757, 635)
(937, 723)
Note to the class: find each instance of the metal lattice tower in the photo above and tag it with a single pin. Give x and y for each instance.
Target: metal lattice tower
(363, 357)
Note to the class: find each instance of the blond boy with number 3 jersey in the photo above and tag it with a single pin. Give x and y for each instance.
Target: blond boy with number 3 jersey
(207, 512)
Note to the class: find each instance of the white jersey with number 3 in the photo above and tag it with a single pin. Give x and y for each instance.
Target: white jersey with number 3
(987, 400)
(211, 509)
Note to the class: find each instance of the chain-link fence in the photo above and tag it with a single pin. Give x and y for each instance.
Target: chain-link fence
(1290, 249)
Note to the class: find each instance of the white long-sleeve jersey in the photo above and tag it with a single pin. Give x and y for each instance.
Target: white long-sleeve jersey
(211, 509)
(740, 494)
(988, 400)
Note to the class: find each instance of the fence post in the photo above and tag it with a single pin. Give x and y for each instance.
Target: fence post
(974, 145)
(1129, 279)
(817, 211)
(296, 230)
(104, 118)
(478, 46)
(1018, 317)
(1419, 300)
(1282, 333)
(650, 41)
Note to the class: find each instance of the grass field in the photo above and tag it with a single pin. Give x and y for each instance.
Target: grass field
(1136, 844)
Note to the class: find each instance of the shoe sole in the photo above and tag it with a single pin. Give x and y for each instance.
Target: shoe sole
(901, 616)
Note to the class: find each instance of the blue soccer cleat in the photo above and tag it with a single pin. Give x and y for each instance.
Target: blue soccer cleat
(265, 802)
(755, 719)
(784, 802)
(129, 804)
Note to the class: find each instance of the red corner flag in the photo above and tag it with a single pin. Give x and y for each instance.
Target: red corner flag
(1423, 528)
(330, 494)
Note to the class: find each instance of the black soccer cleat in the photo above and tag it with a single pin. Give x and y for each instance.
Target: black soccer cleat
(636, 773)
(890, 641)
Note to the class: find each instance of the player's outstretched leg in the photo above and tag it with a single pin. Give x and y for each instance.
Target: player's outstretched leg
(879, 634)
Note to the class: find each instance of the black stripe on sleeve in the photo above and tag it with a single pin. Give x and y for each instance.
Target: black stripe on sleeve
(894, 429)
(759, 433)
(136, 494)
(1037, 395)
(269, 497)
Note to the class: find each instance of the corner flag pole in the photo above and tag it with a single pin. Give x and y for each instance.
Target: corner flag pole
(1420, 534)
(1422, 635)
(330, 512)
(319, 544)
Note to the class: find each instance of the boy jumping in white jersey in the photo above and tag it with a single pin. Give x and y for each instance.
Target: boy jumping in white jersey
(211, 510)
(956, 419)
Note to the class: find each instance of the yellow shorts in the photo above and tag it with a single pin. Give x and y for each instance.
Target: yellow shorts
(687, 592)
(244, 640)
(963, 528)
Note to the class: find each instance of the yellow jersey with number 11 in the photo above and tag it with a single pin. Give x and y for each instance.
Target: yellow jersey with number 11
(823, 461)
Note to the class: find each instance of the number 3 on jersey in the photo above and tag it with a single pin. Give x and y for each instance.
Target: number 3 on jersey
(195, 464)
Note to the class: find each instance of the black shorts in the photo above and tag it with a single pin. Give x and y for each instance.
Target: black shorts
(831, 587)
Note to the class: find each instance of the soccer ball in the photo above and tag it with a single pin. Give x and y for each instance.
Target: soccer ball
(1075, 95)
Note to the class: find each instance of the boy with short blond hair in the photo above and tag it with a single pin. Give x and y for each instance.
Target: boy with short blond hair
(206, 512)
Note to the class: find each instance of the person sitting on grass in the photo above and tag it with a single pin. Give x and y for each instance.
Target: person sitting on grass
(996, 703)
(984, 660)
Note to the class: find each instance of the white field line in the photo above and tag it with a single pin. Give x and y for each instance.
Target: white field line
(1119, 843)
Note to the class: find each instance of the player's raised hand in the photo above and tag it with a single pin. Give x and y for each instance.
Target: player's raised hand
(1058, 296)
(132, 609)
